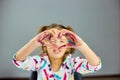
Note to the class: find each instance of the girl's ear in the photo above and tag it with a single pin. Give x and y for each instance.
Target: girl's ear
(44, 49)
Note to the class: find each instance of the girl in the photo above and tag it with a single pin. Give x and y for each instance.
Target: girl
(58, 43)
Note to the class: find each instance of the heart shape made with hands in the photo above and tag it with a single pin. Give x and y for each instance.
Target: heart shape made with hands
(45, 36)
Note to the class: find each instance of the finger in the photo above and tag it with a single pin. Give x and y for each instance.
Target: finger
(59, 35)
(69, 34)
(63, 46)
(41, 35)
(68, 45)
(75, 38)
(71, 43)
(54, 32)
(45, 37)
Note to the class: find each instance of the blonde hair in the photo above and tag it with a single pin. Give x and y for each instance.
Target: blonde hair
(59, 27)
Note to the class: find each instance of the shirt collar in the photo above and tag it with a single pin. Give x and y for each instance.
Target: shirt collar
(46, 58)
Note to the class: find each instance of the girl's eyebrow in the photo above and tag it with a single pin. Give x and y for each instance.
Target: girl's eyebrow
(63, 39)
(53, 39)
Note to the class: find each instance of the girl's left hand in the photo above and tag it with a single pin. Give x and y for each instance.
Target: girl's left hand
(74, 41)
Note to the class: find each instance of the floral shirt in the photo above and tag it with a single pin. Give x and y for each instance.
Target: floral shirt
(66, 71)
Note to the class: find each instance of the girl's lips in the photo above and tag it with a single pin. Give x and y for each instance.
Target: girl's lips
(56, 51)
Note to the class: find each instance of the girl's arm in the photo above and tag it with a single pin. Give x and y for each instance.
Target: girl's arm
(89, 54)
(38, 40)
(27, 49)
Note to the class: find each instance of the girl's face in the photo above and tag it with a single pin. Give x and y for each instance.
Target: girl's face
(55, 51)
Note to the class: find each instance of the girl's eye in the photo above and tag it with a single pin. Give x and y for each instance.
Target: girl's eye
(62, 41)
(52, 41)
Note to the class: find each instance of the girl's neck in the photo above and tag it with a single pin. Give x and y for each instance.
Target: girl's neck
(56, 64)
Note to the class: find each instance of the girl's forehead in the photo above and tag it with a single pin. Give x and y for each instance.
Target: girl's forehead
(56, 29)
(61, 38)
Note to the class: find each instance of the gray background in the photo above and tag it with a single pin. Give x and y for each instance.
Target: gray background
(96, 21)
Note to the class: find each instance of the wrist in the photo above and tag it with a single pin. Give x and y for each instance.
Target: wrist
(34, 42)
(83, 46)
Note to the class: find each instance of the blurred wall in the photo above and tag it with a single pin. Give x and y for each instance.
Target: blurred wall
(95, 21)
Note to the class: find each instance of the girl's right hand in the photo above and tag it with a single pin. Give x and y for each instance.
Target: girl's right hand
(43, 38)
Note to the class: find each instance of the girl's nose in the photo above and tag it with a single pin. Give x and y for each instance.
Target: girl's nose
(58, 43)
(55, 45)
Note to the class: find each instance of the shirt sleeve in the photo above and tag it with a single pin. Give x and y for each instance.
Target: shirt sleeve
(30, 63)
(82, 66)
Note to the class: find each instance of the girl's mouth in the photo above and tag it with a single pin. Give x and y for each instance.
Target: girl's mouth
(56, 51)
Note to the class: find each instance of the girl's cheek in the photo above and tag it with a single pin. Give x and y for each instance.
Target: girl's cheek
(50, 48)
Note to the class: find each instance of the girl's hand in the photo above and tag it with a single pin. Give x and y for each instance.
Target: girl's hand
(74, 41)
(43, 38)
